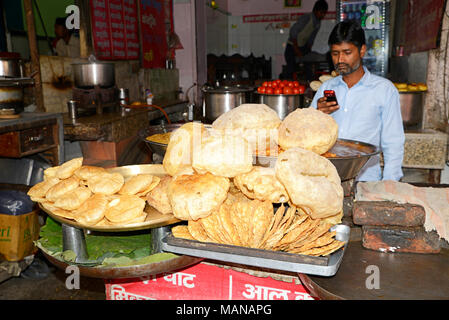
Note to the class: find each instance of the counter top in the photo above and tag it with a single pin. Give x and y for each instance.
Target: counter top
(113, 126)
(28, 120)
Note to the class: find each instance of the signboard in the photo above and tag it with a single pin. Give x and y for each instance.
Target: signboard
(115, 29)
(423, 25)
(205, 282)
(154, 39)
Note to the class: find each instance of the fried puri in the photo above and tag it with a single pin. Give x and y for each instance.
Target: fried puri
(311, 181)
(178, 156)
(223, 155)
(158, 199)
(196, 196)
(310, 129)
(261, 183)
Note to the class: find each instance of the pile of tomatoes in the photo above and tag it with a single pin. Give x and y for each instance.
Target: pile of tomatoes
(281, 87)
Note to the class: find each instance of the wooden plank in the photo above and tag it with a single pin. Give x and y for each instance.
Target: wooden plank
(34, 54)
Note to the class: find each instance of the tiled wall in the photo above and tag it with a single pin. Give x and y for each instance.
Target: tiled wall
(229, 35)
(163, 83)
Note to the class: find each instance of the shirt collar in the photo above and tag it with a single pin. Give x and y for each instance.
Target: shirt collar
(363, 81)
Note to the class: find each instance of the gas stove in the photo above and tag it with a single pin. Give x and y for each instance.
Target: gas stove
(96, 100)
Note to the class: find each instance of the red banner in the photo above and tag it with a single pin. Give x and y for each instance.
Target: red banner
(114, 29)
(423, 25)
(205, 282)
(152, 26)
(281, 17)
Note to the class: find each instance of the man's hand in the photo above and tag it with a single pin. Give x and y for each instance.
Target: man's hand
(327, 107)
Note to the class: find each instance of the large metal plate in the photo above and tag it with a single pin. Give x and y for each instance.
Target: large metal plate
(154, 218)
(128, 271)
(284, 261)
(350, 157)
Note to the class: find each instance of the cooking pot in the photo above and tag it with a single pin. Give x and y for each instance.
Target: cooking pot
(283, 104)
(88, 75)
(219, 100)
(11, 99)
(411, 107)
(11, 67)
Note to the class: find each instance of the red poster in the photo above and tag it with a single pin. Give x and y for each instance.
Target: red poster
(154, 42)
(101, 29)
(423, 25)
(115, 29)
(131, 29)
(117, 24)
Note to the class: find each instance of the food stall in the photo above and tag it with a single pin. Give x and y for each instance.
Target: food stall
(240, 202)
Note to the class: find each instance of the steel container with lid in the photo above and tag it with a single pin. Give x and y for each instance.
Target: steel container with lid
(219, 100)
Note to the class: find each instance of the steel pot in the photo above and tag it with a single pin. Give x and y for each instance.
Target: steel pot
(411, 108)
(219, 100)
(283, 104)
(11, 99)
(11, 67)
(89, 75)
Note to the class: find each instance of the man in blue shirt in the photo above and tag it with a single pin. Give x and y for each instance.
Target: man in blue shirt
(367, 107)
(301, 37)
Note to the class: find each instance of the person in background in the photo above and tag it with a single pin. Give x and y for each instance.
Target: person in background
(367, 107)
(65, 44)
(301, 37)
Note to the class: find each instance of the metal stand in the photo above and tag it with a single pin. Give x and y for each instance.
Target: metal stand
(157, 234)
(73, 239)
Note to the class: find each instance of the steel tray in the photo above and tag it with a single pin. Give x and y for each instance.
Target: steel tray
(283, 261)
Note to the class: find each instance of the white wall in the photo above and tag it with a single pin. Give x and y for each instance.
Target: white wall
(184, 24)
(229, 34)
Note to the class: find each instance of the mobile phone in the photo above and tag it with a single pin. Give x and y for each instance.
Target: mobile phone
(330, 95)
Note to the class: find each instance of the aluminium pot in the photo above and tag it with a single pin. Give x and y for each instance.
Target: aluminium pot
(219, 100)
(283, 104)
(88, 75)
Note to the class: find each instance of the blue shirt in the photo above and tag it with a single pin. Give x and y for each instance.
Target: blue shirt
(370, 112)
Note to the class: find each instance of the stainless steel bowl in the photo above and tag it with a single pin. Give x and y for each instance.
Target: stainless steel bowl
(11, 68)
(283, 104)
(157, 148)
(350, 157)
(88, 75)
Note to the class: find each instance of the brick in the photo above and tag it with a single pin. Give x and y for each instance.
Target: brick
(384, 213)
(400, 239)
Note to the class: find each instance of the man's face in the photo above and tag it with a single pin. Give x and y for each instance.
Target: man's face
(346, 57)
(320, 14)
(60, 31)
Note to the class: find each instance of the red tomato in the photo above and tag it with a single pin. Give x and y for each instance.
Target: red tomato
(269, 90)
(274, 84)
(278, 81)
(288, 90)
(265, 84)
(278, 91)
(295, 90)
(302, 88)
(290, 84)
(261, 89)
(296, 84)
(285, 82)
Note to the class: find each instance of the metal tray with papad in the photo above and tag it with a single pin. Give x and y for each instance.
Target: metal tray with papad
(283, 261)
(154, 218)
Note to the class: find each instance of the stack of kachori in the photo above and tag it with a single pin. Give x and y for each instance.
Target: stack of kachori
(93, 196)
